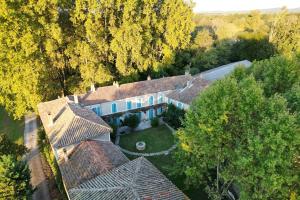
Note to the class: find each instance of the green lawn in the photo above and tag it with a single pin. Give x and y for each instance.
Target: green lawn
(156, 139)
(13, 128)
(164, 164)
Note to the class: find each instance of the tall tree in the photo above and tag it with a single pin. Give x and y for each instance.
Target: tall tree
(227, 132)
(20, 58)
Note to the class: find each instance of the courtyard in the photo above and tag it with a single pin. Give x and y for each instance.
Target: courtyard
(156, 138)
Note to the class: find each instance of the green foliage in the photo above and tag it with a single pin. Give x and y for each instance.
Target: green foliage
(277, 74)
(9, 147)
(173, 116)
(227, 132)
(46, 151)
(252, 46)
(46, 51)
(285, 33)
(155, 122)
(14, 178)
(132, 121)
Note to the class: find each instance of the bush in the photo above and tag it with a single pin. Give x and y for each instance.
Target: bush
(173, 116)
(114, 131)
(155, 122)
(132, 121)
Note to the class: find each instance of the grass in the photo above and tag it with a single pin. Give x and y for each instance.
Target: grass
(156, 139)
(164, 163)
(14, 129)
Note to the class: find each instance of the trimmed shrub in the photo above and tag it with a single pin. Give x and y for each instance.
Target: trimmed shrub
(132, 121)
(173, 116)
(155, 122)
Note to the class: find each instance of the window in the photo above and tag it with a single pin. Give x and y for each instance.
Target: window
(169, 101)
(150, 114)
(139, 103)
(128, 105)
(114, 108)
(151, 100)
(97, 110)
(179, 105)
(139, 114)
(159, 111)
(160, 99)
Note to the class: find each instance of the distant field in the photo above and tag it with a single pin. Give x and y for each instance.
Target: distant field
(13, 128)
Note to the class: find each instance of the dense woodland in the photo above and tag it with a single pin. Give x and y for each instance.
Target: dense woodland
(50, 48)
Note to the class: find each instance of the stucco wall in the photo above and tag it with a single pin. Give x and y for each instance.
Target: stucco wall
(106, 108)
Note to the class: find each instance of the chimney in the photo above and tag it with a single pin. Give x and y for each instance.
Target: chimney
(75, 98)
(116, 83)
(187, 72)
(93, 87)
(50, 119)
(65, 155)
(148, 78)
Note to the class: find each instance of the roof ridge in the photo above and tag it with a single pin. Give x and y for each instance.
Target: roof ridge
(78, 116)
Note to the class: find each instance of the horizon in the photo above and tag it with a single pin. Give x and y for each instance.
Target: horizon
(207, 6)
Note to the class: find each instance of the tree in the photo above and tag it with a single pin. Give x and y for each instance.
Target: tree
(9, 147)
(173, 116)
(20, 65)
(285, 33)
(252, 46)
(132, 121)
(203, 40)
(14, 178)
(277, 74)
(226, 134)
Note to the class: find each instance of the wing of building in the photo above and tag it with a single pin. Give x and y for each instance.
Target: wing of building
(92, 167)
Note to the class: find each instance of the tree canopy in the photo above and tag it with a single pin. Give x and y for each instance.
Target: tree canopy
(50, 48)
(234, 133)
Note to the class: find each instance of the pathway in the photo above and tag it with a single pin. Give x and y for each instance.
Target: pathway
(166, 152)
(38, 179)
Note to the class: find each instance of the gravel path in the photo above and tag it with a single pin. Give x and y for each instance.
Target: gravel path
(38, 179)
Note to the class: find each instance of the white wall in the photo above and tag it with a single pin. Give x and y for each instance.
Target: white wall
(106, 108)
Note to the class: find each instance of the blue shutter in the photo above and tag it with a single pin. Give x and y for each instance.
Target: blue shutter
(128, 105)
(114, 108)
(139, 103)
(94, 109)
(160, 99)
(150, 114)
(159, 111)
(151, 100)
(98, 111)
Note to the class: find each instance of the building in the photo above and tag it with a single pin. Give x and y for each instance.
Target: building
(148, 98)
(92, 167)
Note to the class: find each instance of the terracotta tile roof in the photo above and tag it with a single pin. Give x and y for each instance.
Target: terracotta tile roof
(72, 123)
(137, 179)
(191, 91)
(88, 160)
(111, 93)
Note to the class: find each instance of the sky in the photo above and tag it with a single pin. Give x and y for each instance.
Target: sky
(237, 5)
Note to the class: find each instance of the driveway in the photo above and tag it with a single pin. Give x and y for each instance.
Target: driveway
(38, 179)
